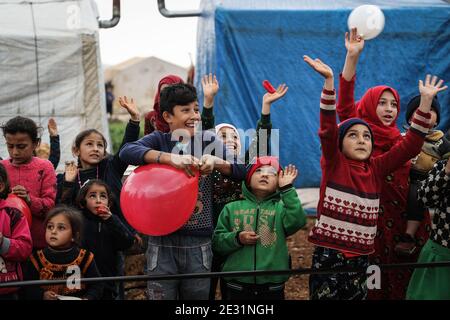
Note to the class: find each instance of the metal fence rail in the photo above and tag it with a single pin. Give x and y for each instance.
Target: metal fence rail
(299, 271)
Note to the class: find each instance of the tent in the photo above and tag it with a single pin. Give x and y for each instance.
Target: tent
(245, 42)
(50, 67)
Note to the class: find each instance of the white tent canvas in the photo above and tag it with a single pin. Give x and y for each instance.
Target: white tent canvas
(50, 67)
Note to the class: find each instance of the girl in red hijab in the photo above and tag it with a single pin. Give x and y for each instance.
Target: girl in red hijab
(153, 119)
(380, 107)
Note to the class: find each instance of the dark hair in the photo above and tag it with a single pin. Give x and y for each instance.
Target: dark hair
(82, 135)
(4, 179)
(73, 215)
(176, 95)
(81, 197)
(22, 125)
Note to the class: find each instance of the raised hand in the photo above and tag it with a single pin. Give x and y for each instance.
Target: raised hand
(287, 176)
(71, 171)
(52, 127)
(354, 42)
(210, 87)
(131, 108)
(269, 98)
(431, 87)
(323, 69)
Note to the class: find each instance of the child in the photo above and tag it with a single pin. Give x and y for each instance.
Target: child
(59, 260)
(225, 189)
(433, 283)
(103, 233)
(380, 107)
(31, 178)
(352, 178)
(251, 233)
(436, 147)
(94, 163)
(153, 119)
(15, 240)
(185, 149)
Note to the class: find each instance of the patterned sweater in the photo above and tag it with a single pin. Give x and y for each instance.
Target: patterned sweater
(434, 194)
(349, 192)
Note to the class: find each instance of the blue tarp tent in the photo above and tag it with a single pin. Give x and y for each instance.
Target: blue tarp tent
(245, 42)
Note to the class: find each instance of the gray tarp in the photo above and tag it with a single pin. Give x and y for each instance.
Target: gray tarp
(50, 67)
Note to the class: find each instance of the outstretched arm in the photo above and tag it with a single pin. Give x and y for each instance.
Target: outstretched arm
(261, 141)
(354, 44)
(328, 131)
(346, 101)
(210, 87)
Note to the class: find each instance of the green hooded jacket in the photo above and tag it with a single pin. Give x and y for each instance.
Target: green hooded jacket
(273, 219)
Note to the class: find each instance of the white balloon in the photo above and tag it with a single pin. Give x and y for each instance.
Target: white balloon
(368, 19)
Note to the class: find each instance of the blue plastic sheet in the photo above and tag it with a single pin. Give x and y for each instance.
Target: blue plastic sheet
(244, 46)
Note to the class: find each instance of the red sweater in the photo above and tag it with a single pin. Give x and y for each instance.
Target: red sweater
(349, 192)
(39, 178)
(15, 247)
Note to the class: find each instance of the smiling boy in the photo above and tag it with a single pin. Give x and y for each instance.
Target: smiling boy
(187, 250)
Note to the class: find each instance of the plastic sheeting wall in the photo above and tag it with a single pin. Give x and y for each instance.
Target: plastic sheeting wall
(50, 67)
(244, 46)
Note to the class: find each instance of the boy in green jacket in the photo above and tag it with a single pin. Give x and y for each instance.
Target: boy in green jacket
(251, 233)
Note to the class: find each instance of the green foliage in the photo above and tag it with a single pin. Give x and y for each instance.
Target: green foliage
(117, 130)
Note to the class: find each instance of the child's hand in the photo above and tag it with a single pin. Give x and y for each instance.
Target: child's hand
(131, 107)
(323, 69)
(187, 163)
(52, 127)
(103, 212)
(207, 163)
(431, 87)
(50, 295)
(248, 237)
(210, 87)
(287, 176)
(21, 192)
(354, 43)
(269, 98)
(71, 171)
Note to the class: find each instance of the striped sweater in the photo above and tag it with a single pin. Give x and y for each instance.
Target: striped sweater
(349, 192)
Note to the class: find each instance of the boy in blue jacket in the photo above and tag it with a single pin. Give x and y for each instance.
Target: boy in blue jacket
(187, 250)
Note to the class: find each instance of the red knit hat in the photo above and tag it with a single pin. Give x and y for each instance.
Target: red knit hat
(258, 163)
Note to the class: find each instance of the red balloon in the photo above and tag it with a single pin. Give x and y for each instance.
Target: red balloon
(20, 204)
(158, 199)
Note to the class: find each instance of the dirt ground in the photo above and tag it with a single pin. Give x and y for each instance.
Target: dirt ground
(296, 288)
(301, 250)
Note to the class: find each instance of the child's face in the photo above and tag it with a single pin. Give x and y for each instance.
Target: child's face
(58, 233)
(230, 139)
(357, 143)
(96, 197)
(183, 117)
(20, 147)
(91, 151)
(264, 180)
(387, 108)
